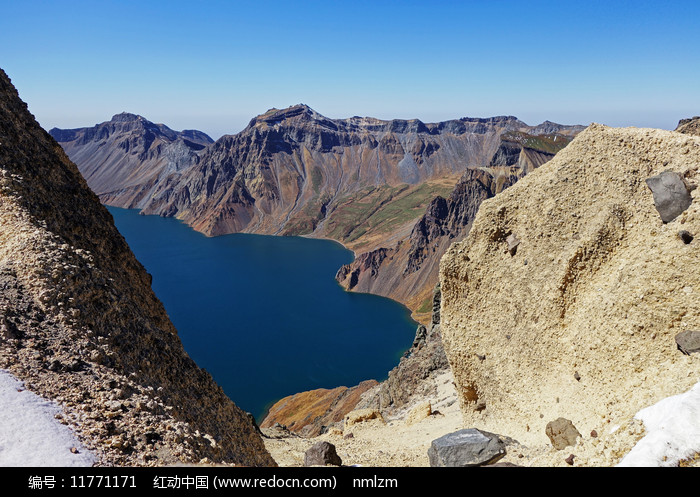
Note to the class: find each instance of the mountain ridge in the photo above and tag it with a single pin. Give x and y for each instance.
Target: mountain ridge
(361, 181)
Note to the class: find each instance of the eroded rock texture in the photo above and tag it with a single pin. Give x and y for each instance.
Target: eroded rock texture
(579, 322)
(80, 325)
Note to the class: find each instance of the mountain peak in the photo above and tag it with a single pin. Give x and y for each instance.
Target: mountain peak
(299, 113)
(127, 117)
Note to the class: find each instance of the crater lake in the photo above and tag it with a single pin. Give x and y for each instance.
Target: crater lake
(264, 314)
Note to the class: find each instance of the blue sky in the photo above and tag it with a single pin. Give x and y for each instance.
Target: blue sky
(213, 65)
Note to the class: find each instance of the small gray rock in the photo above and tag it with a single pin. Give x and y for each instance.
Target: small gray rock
(513, 243)
(469, 447)
(562, 433)
(321, 454)
(688, 342)
(671, 195)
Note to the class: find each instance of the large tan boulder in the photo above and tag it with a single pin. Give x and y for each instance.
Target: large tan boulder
(579, 319)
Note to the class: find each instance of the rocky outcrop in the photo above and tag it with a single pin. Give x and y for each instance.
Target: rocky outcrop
(413, 377)
(580, 320)
(689, 126)
(80, 325)
(313, 412)
(409, 270)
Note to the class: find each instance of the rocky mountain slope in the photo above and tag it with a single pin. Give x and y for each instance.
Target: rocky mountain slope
(575, 287)
(408, 270)
(572, 298)
(689, 126)
(128, 155)
(80, 325)
(361, 181)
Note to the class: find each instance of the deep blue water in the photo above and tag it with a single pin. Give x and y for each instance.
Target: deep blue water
(264, 314)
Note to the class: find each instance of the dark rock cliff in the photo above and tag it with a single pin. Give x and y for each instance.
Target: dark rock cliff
(79, 323)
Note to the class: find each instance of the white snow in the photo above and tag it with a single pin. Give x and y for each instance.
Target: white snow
(29, 433)
(673, 431)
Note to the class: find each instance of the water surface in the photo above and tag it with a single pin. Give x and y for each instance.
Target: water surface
(264, 314)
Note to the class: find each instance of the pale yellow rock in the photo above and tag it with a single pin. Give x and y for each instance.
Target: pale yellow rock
(362, 415)
(419, 413)
(580, 321)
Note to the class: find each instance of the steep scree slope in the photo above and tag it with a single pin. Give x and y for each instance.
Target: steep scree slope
(79, 323)
(578, 319)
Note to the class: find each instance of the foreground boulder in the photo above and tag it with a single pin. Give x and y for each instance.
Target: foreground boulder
(688, 341)
(562, 433)
(469, 447)
(322, 454)
(580, 322)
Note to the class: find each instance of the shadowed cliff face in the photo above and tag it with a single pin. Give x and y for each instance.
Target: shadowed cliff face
(79, 323)
(129, 155)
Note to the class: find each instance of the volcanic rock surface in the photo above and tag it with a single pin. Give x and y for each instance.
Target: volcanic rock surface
(408, 270)
(80, 325)
(579, 322)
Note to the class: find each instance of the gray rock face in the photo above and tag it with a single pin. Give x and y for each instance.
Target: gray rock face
(671, 195)
(513, 243)
(437, 297)
(688, 342)
(562, 433)
(469, 447)
(321, 454)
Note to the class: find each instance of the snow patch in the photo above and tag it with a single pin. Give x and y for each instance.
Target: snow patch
(30, 435)
(673, 431)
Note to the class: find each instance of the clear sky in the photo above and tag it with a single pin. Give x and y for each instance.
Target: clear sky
(213, 65)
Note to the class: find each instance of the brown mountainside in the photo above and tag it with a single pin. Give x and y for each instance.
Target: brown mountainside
(690, 126)
(361, 181)
(294, 171)
(130, 154)
(408, 271)
(80, 325)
